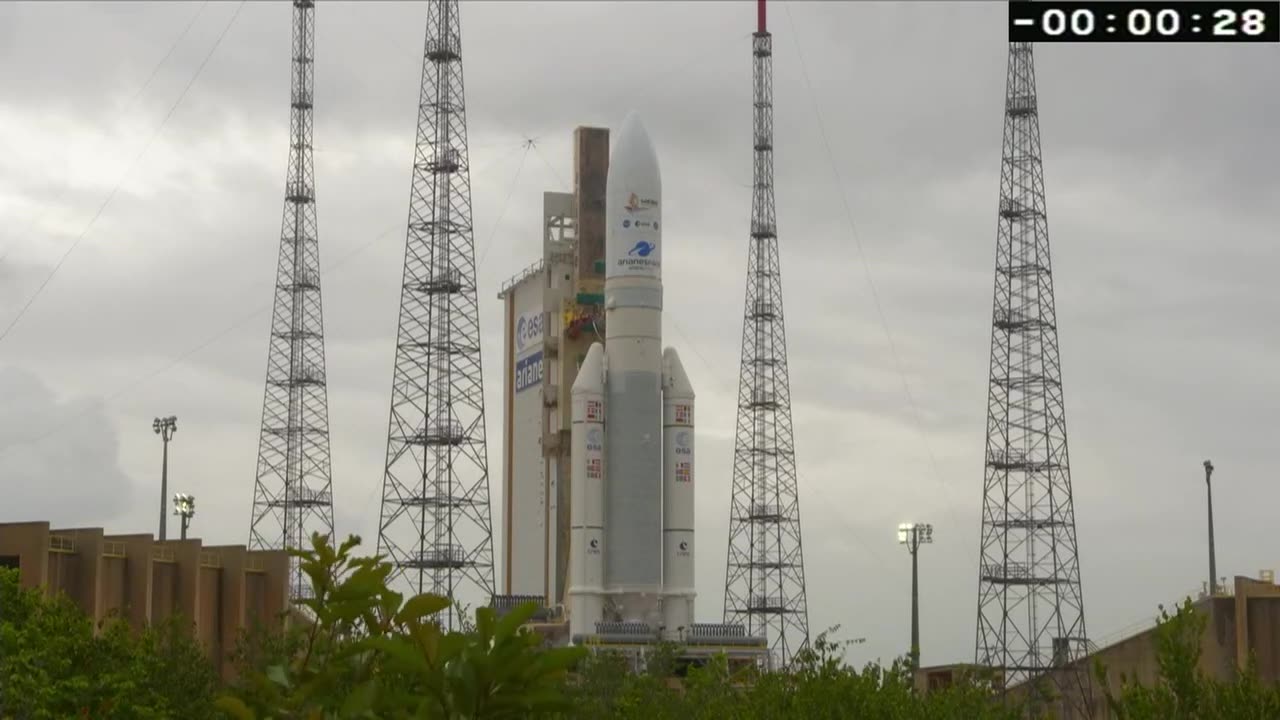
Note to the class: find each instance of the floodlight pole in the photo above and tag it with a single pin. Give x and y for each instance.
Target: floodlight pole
(913, 535)
(165, 428)
(184, 506)
(915, 607)
(1213, 564)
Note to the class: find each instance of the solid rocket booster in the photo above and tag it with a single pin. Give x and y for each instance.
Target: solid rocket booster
(632, 493)
(677, 493)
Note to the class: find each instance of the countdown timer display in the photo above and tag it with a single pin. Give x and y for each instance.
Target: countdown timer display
(1144, 21)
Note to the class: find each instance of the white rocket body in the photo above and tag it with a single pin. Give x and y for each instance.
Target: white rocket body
(632, 498)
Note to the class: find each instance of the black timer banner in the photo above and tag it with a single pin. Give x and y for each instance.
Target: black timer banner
(1083, 22)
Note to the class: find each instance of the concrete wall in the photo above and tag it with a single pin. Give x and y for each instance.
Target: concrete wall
(218, 590)
(525, 501)
(29, 542)
(1242, 624)
(113, 596)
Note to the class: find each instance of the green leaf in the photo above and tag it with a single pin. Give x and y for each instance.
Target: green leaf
(277, 675)
(421, 606)
(235, 707)
(399, 650)
(361, 699)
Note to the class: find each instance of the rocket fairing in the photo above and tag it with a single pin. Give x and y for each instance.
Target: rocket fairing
(631, 516)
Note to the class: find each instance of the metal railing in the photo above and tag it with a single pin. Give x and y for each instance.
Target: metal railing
(210, 559)
(62, 544)
(159, 553)
(253, 563)
(113, 548)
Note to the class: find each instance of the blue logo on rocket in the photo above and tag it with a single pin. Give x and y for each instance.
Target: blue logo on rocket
(642, 249)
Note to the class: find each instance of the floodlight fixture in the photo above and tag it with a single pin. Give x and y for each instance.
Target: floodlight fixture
(164, 427)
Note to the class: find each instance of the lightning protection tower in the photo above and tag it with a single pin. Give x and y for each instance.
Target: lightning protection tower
(764, 577)
(435, 526)
(292, 495)
(1030, 607)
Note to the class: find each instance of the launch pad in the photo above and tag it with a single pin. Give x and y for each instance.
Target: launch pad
(598, 433)
(638, 642)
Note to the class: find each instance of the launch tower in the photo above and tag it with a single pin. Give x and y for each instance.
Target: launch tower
(764, 577)
(292, 495)
(435, 526)
(1030, 608)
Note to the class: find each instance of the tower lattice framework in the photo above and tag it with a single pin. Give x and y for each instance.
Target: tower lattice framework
(764, 577)
(1030, 607)
(435, 526)
(292, 495)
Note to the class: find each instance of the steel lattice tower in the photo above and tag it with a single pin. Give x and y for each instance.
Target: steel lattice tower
(435, 526)
(764, 577)
(1030, 607)
(292, 495)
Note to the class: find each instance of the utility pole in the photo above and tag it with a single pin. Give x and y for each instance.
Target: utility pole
(165, 428)
(913, 535)
(1213, 562)
(184, 506)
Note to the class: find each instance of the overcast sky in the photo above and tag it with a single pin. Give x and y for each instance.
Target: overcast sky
(1162, 196)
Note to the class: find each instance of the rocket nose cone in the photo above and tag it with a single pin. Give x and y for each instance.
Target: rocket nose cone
(632, 124)
(633, 142)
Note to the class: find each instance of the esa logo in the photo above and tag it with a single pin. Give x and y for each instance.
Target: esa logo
(682, 444)
(528, 330)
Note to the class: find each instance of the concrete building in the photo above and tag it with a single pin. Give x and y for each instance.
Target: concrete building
(222, 589)
(1243, 620)
(553, 310)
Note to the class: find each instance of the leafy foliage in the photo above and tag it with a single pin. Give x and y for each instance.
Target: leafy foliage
(362, 650)
(819, 685)
(54, 665)
(369, 652)
(1183, 691)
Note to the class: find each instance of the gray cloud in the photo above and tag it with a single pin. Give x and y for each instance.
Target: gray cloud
(70, 478)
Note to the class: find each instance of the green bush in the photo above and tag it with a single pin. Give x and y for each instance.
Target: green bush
(1183, 692)
(361, 650)
(370, 653)
(53, 664)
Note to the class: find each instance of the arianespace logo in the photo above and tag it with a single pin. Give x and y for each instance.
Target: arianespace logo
(684, 548)
(593, 547)
(636, 204)
(529, 371)
(641, 249)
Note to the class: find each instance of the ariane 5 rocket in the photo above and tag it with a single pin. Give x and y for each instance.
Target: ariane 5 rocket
(631, 536)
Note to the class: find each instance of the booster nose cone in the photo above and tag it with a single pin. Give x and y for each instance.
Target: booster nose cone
(633, 205)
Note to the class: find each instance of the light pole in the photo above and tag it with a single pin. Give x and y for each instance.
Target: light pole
(913, 535)
(184, 506)
(165, 428)
(1213, 562)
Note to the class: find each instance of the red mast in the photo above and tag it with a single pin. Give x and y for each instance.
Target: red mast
(760, 16)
